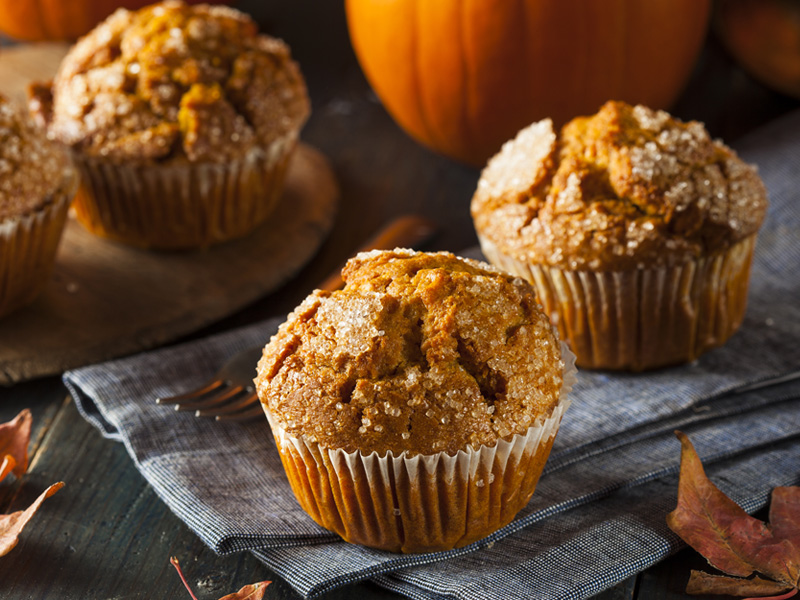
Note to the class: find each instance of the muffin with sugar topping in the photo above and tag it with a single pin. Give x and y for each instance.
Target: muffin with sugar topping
(182, 120)
(37, 184)
(427, 391)
(636, 229)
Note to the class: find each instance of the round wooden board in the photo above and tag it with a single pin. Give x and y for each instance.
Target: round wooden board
(105, 300)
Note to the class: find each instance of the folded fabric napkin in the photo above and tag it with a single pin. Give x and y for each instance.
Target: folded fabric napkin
(598, 514)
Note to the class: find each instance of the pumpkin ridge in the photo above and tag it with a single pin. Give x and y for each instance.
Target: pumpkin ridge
(43, 22)
(417, 78)
(467, 108)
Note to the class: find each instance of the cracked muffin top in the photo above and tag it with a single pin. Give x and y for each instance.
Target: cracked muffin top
(419, 352)
(33, 170)
(626, 188)
(173, 81)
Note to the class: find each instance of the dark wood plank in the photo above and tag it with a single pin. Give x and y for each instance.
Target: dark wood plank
(625, 590)
(667, 580)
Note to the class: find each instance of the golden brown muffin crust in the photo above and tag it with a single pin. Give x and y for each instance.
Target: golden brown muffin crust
(32, 169)
(626, 188)
(175, 81)
(419, 352)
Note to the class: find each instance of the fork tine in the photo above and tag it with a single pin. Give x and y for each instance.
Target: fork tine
(207, 388)
(212, 401)
(251, 413)
(231, 407)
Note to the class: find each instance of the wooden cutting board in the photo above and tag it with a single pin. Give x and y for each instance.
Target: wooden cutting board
(23, 63)
(106, 300)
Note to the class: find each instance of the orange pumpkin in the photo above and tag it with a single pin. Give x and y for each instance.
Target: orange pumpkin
(764, 37)
(57, 19)
(464, 76)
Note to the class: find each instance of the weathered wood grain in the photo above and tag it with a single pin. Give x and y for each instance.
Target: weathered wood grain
(21, 65)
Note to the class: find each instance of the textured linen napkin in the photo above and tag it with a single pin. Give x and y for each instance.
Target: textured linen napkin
(598, 513)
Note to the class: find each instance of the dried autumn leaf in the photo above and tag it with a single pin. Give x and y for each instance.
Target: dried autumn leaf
(7, 466)
(705, 583)
(12, 525)
(709, 521)
(729, 538)
(254, 591)
(784, 514)
(14, 438)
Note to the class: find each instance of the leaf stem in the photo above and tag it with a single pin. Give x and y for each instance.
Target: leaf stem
(174, 561)
(788, 594)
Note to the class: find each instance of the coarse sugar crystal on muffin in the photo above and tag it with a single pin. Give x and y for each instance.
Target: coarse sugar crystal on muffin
(424, 364)
(182, 120)
(37, 183)
(636, 229)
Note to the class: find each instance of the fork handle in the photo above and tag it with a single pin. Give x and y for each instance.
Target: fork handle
(404, 232)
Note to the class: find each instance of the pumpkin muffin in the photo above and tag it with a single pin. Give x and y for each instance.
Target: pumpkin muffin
(636, 229)
(182, 120)
(415, 408)
(37, 184)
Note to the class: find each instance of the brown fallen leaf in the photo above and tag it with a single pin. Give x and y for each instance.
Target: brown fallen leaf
(7, 466)
(784, 514)
(730, 539)
(254, 591)
(14, 438)
(705, 583)
(11, 525)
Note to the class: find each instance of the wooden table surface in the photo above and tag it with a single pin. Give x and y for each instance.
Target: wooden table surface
(106, 534)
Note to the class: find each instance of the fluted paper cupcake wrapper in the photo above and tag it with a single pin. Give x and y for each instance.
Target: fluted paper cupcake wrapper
(187, 205)
(642, 318)
(28, 246)
(421, 503)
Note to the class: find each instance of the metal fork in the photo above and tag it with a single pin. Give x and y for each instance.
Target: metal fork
(230, 394)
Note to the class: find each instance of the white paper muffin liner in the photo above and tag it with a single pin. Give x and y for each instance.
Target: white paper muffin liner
(182, 205)
(421, 503)
(643, 318)
(28, 245)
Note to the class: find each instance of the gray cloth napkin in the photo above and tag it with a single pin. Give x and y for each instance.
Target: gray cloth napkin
(598, 514)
